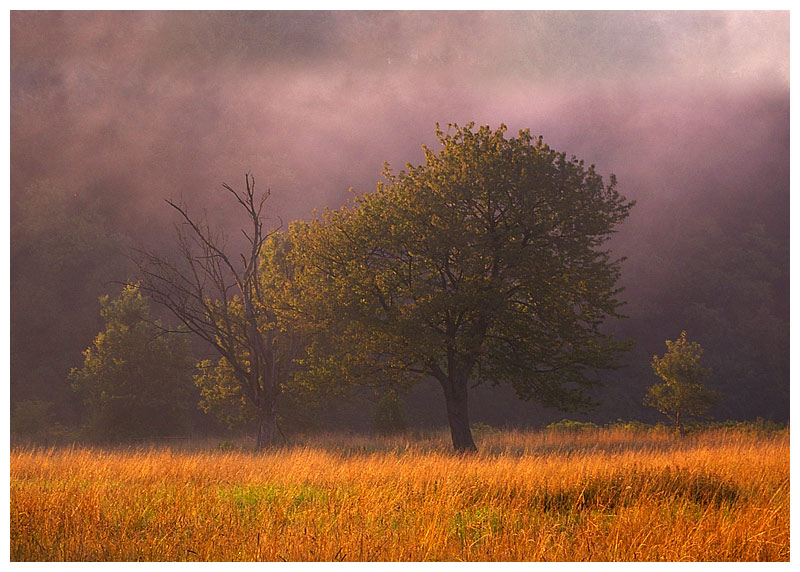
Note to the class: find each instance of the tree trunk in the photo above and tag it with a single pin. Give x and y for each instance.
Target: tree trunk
(456, 398)
(267, 432)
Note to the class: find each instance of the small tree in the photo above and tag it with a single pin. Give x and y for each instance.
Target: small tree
(136, 379)
(683, 393)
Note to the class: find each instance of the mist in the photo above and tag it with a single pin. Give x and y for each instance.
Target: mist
(690, 110)
(172, 104)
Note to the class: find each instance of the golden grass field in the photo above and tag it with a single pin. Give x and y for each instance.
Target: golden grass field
(601, 495)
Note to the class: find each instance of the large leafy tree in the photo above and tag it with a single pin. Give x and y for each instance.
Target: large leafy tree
(136, 379)
(485, 263)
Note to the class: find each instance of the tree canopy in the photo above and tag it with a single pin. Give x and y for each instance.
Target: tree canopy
(485, 263)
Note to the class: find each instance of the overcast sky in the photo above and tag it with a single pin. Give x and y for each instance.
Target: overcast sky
(157, 105)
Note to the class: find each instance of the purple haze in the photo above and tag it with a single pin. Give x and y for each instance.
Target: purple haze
(686, 105)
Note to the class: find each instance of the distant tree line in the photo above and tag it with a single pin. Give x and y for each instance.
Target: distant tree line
(485, 267)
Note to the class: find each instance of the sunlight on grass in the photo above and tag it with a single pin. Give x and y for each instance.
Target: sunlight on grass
(541, 496)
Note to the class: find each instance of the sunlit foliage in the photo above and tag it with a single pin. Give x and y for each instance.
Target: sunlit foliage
(683, 393)
(136, 378)
(484, 264)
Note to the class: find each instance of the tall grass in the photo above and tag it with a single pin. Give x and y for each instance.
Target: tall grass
(544, 496)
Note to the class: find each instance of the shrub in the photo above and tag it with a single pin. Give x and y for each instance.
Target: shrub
(483, 429)
(568, 425)
(31, 417)
(630, 425)
(390, 416)
(34, 419)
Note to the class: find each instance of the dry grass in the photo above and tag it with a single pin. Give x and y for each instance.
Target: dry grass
(598, 495)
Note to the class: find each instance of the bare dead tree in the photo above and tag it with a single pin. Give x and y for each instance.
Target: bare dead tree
(221, 300)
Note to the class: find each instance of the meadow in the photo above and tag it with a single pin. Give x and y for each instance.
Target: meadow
(593, 495)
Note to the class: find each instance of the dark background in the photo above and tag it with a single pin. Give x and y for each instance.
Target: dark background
(111, 113)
